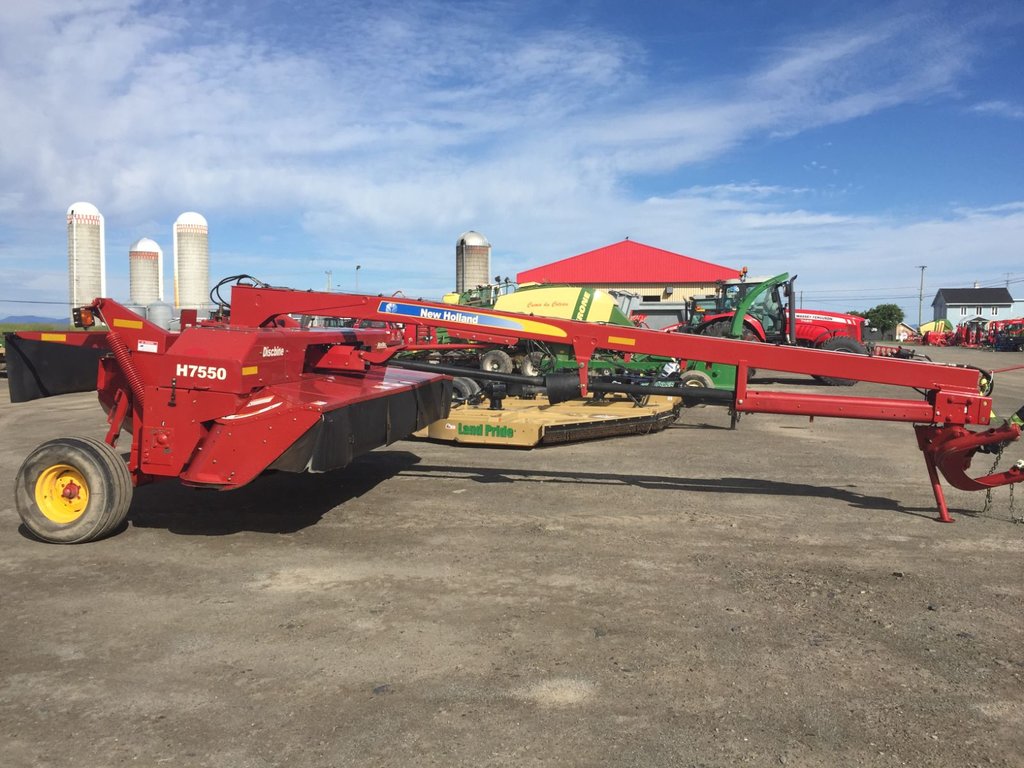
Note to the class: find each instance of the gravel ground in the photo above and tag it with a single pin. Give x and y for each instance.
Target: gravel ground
(774, 595)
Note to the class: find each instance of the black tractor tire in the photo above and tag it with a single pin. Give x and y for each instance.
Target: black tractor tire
(496, 361)
(695, 379)
(721, 328)
(463, 390)
(845, 344)
(717, 328)
(73, 490)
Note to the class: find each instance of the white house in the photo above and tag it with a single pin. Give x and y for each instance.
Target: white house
(962, 305)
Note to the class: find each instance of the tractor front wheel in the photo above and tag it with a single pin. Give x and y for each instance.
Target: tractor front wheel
(73, 490)
(845, 344)
(718, 328)
(722, 328)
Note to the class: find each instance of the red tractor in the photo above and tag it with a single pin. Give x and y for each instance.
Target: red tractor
(763, 310)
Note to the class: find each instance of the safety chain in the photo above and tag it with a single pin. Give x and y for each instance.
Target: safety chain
(1019, 519)
(988, 491)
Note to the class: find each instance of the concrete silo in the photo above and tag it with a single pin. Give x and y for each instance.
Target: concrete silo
(472, 261)
(87, 272)
(145, 272)
(191, 262)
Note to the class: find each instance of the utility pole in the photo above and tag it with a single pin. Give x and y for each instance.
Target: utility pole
(330, 279)
(920, 295)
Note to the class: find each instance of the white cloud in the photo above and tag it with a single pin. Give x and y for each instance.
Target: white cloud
(1000, 109)
(124, 107)
(401, 125)
(833, 252)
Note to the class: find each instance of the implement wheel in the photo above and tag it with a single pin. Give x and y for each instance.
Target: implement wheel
(464, 390)
(534, 364)
(695, 379)
(73, 490)
(496, 361)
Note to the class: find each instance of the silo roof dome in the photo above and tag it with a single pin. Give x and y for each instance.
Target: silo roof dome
(145, 245)
(472, 238)
(191, 217)
(83, 209)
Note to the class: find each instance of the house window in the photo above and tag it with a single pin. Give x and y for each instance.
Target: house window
(995, 311)
(977, 310)
(651, 297)
(963, 311)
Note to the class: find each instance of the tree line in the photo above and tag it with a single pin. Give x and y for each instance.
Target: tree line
(884, 317)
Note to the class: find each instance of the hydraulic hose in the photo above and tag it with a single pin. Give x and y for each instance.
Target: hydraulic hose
(566, 386)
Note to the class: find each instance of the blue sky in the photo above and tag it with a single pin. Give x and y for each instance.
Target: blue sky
(846, 142)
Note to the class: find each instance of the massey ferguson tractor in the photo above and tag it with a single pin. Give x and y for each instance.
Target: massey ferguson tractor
(768, 314)
(222, 401)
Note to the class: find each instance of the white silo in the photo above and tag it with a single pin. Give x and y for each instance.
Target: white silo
(472, 261)
(87, 272)
(145, 272)
(191, 261)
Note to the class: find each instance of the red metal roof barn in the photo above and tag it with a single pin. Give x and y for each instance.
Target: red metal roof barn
(653, 273)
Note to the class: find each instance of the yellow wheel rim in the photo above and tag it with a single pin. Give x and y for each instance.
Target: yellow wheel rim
(62, 493)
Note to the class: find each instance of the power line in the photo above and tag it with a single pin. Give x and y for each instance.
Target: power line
(826, 294)
(872, 290)
(885, 288)
(873, 297)
(1002, 282)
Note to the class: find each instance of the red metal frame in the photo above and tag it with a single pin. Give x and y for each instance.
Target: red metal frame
(950, 401)
(219, 402)
(256, 307)
(215, 406)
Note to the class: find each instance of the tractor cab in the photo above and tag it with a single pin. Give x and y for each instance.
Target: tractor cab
(768, 307)
(760, 303)
(699, 307)
(483, 296)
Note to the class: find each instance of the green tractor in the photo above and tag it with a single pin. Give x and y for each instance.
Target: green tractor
(764, 310)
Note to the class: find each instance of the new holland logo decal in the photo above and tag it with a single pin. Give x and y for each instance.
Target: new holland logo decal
(442, 317)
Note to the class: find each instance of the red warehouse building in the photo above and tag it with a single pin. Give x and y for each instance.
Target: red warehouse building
(654, 274)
